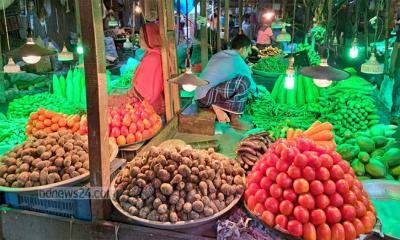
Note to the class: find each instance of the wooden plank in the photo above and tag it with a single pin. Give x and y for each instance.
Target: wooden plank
(164, 56)
(226, 22)
(219, 47)
(240, 15)
(204, 35)
(96, 86)
(173, 66)
(170, 15)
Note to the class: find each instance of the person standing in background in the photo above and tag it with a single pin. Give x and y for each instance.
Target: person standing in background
(265, 36)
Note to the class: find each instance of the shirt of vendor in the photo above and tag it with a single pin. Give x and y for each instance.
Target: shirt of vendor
(224, 66)
(264, 35)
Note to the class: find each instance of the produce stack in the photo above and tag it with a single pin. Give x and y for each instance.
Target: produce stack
(372, 153)
(304, 91)
(50, 122)
(178, 184)
(45, 159)
(310, 192)
(274, 64)
(12, 132)
(252, 148)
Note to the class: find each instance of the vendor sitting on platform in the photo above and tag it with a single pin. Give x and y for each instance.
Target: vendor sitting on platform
(230, 83)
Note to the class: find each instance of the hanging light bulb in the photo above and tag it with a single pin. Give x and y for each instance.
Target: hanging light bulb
(79, 48)
(289, 79)
(321, 82)
(138, 9)
(65, 55)
(31, 59)
(128, 44)
(11, 67)
(189, 87)
(372, 66)
(269, 15)
(354, 49)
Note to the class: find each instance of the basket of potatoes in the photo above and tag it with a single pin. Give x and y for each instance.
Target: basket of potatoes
(180, 187)
(44, 161)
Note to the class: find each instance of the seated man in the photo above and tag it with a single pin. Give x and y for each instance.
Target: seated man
(230, 82)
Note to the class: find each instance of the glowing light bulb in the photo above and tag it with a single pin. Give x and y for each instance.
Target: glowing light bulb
(268, 15)
(31, 59)
(323, 83)
(138, 9)
(189, 87)
(79, 49)
(354, 52)
(289, 81)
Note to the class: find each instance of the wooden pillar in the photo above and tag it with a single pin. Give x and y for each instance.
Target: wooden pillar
(96, 86)
(2, 79)
(204, 35)
(329, 24)
(366, 30)
(219, 48)
(240, 15)
(78, 19)
(226, 21)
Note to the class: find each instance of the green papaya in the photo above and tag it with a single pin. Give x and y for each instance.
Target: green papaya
(377, 130)
(363, 157)
(389, 177)
(362, 178)
(378, 152)
(375, 168)
(366, 144)
(380, 141)
(347, 151)
(358, 167)
(392, 157)
(395, 171)
(351, 141)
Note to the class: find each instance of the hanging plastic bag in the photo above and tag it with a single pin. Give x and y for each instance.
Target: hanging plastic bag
(386, 92)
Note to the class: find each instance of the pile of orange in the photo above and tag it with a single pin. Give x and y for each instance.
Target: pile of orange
(50, 122)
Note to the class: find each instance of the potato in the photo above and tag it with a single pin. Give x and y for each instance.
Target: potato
(67, 162)
(82, 171)
(11, 169)
(85, 165)
(43, 176)
(27, 159)
(40, 150)
(74, 159)
(43, 164)
(68, 146)
(10, 161)
(187, 207)
(11, 178)
(59, 162)
(78, 165)
(60, 152)
(2, 182)
(3, 169)
(53, 178)
(52, 169)
(166, 189)
(23, 177)
(173, 217)
(46, 155)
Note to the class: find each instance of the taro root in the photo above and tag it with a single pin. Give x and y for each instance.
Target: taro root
(166, 189)
(198, 206)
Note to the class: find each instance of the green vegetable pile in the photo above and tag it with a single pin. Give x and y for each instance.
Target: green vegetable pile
(318, 33)
(313, 56)
(371, 153)
(23, 107)
(125, 81)
(274, 64)
(304, 91)
(12, 132)
(277, 118)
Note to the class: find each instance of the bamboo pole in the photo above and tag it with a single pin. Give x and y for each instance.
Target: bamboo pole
(226, 22)
(219, 48)
(96, 86)
(204, 35)
(240, 3)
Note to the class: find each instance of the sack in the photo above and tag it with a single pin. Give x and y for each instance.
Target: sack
(386, 92)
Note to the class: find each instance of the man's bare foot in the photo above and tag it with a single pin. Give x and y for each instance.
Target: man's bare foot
(239, 124)
(221, 114)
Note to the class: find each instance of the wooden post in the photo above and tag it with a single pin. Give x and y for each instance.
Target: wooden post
(96, 86)
(2, 79)
(204, 35)
(240, 15)
(219, 48)
(366, 30)
(226, 21)
(328, 26)
(78, 19)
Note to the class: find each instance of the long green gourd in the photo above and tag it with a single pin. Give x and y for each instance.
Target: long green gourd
(300, 91)
(56, 86)
(291, 94)
(277, 88)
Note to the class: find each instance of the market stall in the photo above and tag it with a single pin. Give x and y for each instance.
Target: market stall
(321, 160)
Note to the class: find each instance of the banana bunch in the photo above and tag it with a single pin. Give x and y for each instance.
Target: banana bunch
(270, 51)
(251, 148)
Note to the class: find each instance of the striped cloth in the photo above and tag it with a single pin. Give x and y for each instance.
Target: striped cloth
(231, 95)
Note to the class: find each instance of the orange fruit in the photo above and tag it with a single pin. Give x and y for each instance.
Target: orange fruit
(34, 115)
(39, 125)
(49, 114)
(47, 122)
(55, 119)
(130, 138)
(62, 122)
(54, 127)
(41, 117)
(121, 140)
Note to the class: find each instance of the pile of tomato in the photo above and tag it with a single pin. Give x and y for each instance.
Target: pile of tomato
(310, 192)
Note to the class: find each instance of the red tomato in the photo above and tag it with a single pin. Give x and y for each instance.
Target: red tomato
(301, 186)
(349, 231)
(329, 187)
(316, 188)
(336, 173)
(344, 165)
(115, 132)
(336, 200)
(294, 172)
(140, 126)
(279, 147)
(365, 200)
(253, 187)
(360, 209)
(138, 136)
(326, 161)
(333, 215)
(146, 134)
(132, 128)
(247, 194)
(282, 166)
(275, 190)
(286, 207)
(301, 214)
(349, 179)
(348, 212)
(307, 201)
(300, 161)
(265, 183)
(259, 209)
(308, 173)
(256, 176)
(268, 218)
(251, 202)
(336, 157)
(289, 194)
(281, 221)
(357, 192)
(303, 144)
(342, 186)
(126, 121)
(359, 226)
(322, 174)
(323, 232)
(317, 217)
(309, 232)
(322, 201)
(372, 216)
(263, 166)
(350, 198)
(337, 232)
(285, 155)
(271, 159)
(272, 173)
(130, 139)
(261, 195)
(124, 131)
(272, 205)
(283, 180)
(313, 160)
(295, 228)
(368, 223)
(358, 184)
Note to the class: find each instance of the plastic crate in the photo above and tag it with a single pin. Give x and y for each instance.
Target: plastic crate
(76, 208)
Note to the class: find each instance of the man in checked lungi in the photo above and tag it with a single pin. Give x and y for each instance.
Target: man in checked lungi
(230, 83)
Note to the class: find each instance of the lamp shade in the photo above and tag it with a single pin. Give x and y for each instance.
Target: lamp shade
(31, 49)
(283, 36)
(372, 66)
(11, 67)
(65, 55)
(5, 4)
(324, 71)
(188, 78)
